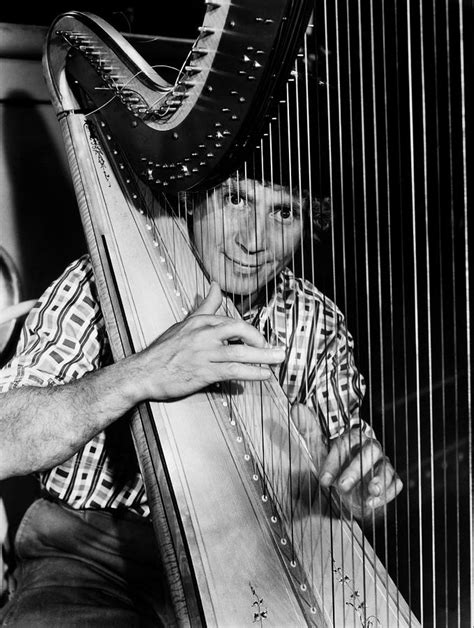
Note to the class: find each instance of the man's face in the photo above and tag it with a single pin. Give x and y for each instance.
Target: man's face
(245, 233)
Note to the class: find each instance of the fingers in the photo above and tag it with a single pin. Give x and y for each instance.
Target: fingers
(365, 459)
(384, 487)
(383, 477)
(246, 354)
(336, 460)
(243, 361)
(356, 464)
(231, 329)
(212, 302)
(224, 329)
(349, 460)
(242, 372)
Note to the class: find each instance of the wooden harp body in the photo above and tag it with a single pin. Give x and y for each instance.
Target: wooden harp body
(234, 552)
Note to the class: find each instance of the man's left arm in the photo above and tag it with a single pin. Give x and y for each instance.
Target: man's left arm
(345, 449)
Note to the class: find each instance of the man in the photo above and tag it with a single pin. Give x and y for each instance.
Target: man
(247, 233)
(86, 550)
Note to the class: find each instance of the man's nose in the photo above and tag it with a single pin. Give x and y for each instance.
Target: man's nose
(251, 235)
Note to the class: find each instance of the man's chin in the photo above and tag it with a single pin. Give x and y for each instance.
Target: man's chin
(245, 298)
(239, 291)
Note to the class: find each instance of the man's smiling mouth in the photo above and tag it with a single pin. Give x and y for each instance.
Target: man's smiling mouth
(241, 264)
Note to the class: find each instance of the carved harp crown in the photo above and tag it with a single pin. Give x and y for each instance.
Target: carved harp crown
(198, 130)
(294, 93)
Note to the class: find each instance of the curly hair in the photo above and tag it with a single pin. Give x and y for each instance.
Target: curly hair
(316, 211)
(318, 215)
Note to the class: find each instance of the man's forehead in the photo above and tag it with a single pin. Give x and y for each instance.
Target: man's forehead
(254, 187)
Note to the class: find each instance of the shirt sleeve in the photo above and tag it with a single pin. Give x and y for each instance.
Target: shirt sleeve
(63, 336)
(338, 387)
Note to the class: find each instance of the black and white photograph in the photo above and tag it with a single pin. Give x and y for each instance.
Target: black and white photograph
(235, 342)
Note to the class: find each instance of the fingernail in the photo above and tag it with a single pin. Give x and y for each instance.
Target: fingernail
(374, 502)
(375, 488)
(346, 483)
(326, 479)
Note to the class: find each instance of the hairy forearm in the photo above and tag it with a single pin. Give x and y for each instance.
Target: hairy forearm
(42, 427)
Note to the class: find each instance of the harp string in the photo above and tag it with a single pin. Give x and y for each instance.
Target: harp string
(302, 111)
(331, 195)
(261, 225)
(443, 357)
(268, 169)
(331, 152)
(280, 162)
(310, 38)
(386, 423)
(403, 294)
(428, 305)
(416, 307)
(308, 148)
(377, 210)
(301, 69)
(292, 177)
(452, 201)
(361, 81)
(392, 404)
(365, 179)
(467, 288)
(355, 257)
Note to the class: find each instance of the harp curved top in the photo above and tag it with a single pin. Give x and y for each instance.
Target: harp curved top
(193, 133)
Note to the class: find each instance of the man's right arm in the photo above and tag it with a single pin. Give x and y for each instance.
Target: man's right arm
(41, 427)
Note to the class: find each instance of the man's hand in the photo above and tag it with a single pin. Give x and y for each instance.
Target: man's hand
(196, 353)
(353, 463)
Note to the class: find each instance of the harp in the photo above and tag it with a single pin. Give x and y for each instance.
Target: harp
(282, 551)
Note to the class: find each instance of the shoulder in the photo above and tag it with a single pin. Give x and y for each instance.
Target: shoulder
(74, 290)
(63, 336)
(78, 270)
(78, 274)
(305, 294)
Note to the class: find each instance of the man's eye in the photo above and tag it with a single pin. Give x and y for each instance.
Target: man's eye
(285, 214)
(235, 199)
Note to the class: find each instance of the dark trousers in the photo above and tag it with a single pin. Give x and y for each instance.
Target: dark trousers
(86, 568)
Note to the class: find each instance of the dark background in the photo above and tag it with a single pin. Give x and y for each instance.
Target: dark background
(177, 19)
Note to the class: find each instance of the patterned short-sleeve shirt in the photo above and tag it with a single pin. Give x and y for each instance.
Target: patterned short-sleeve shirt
(64, 338)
